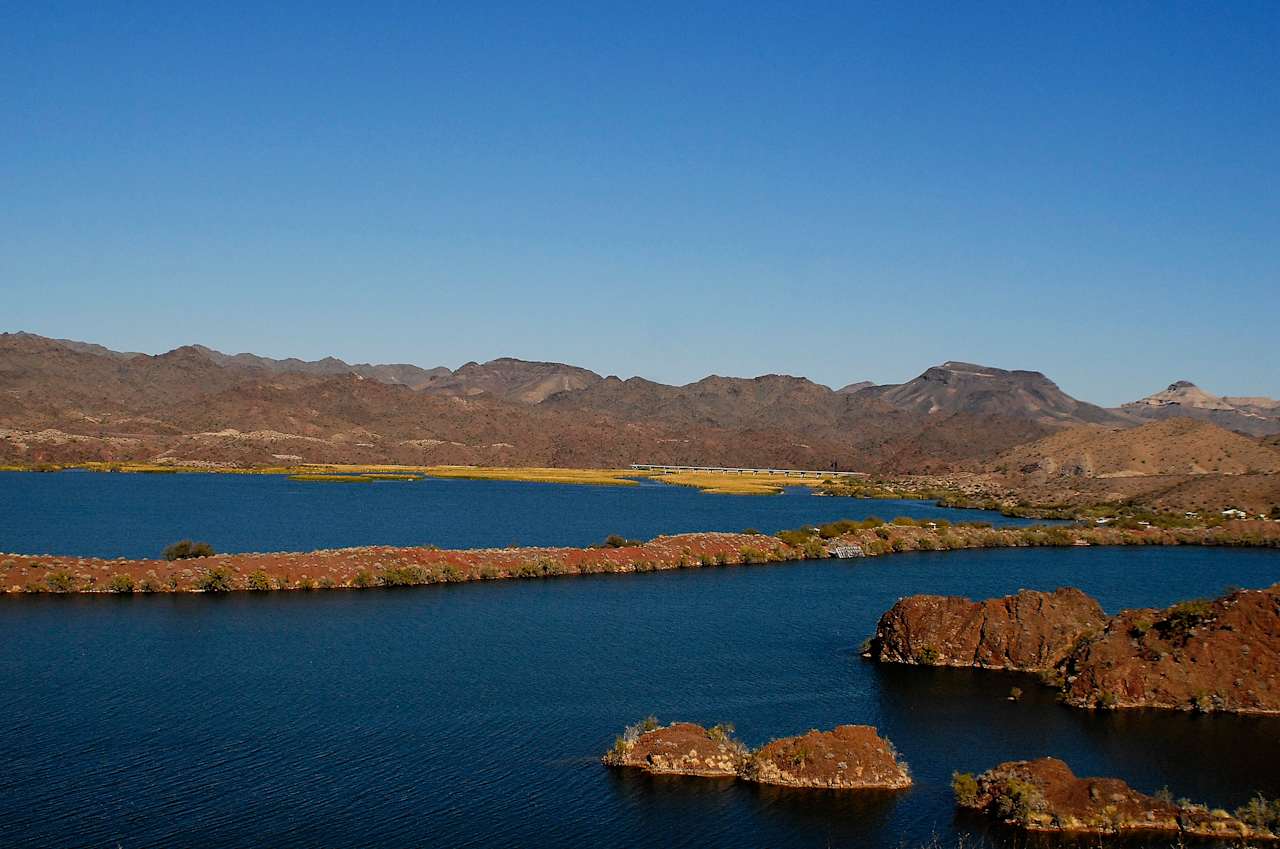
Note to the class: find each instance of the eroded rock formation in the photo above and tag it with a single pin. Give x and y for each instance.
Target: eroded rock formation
(1029, 631)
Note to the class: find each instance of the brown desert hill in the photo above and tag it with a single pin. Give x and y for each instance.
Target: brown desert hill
(1176, 446)
(522, 381)
(67, 402)
(956, 387)
(1256, 416)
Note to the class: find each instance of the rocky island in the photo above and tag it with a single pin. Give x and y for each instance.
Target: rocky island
(1219, 655)
(846, 758)
(681, 748)
(850, 757)
(1044, 795)
(1026, 631)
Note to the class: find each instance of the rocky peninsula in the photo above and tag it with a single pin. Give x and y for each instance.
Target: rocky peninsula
(850, 757)
(1044, 795)
(1218, 655)
(387, 566)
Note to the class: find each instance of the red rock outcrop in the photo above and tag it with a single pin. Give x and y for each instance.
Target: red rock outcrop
(1221, 655)
(681, 748)
(847, 758)
(1044, 795)
(1028, 631)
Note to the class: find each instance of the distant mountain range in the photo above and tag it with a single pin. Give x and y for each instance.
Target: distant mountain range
(65, 400)
(1253, 415)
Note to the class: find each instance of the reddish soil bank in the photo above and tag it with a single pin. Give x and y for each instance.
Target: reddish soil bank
(373, 566)
(1044, 795)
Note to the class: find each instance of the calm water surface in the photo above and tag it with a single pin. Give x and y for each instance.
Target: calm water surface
(473, 715)
(137, 515)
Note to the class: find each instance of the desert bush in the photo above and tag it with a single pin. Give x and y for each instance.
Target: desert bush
(1260, 813)
(217, 579)
(150, 584)
(362, 578)
(928, 656)
(326, 583)
(184, 549)
(257, 581)
(121, 583)
(619, 541)
(1017, 799)
(965, 788)
(402, 575)
(797, 537)
(60, 581)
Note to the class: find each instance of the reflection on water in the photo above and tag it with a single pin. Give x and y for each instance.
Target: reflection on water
(475, 714)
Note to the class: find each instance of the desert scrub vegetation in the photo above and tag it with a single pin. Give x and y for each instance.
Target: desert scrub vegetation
(257, 581)
(60, 581)
(121, 583)
(185, 549)
(618, 541)
(216, 579)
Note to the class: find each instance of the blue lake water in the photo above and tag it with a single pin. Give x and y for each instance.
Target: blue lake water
(137, 515)
(473, 715)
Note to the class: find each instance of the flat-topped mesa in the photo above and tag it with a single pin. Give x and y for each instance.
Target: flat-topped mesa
(1029, 631)
(1044, 795)
(851, 757)
(681, 748)
(1221, 655)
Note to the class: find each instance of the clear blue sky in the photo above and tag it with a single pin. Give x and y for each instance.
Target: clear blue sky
(841, 191)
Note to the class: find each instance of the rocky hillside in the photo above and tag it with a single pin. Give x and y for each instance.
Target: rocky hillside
(1198, 655)
(1221, 655)
(1029, 631)
(1252, 415)
(967, 388)
(1178, 446)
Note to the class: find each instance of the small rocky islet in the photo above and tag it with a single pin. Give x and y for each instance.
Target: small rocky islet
(849, 757)
(1044, 795)
(1201, 655)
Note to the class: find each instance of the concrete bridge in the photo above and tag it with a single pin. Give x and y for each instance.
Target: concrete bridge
(733, 470)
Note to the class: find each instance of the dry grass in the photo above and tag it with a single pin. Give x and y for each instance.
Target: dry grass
(604, 477)
(732, 483)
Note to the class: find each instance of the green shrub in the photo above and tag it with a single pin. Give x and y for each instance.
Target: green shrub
(402, 575)
(326, 583)
(121, 583)
(965, 788)
(797, 537)
(619, 541)
(185, 549)
(928, 656)
(1017, 799)
(150, 584)
(362, 578)
(218, 579)
(60, 581)
(257, 581)
(1261, 814)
